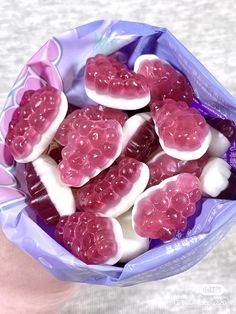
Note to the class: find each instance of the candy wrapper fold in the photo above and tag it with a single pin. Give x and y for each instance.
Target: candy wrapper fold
(60, 63)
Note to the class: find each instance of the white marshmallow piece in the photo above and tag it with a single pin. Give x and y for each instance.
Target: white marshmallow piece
(127, 201)
(219, 143)
(48, 135)
(117, 102)
(215, 177)
(60, 195)
(134, 245)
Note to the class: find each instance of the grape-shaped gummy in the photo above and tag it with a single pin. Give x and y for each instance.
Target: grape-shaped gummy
(92, 238)
(162, 210)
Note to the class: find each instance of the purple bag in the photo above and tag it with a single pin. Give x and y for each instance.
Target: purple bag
(60, 62)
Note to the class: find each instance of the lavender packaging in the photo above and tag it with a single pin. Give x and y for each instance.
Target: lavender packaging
(60, 63)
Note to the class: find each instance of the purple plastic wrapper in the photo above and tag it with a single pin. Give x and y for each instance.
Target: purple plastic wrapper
(60, 62)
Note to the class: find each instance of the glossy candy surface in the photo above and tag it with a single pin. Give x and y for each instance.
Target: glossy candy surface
(113, 192)
(183, 132)
(92, 238)
(91, 148)
(164, 80)
(112, 84)
(35, 122)
(163, 166)
(162, 210)
(90, 112)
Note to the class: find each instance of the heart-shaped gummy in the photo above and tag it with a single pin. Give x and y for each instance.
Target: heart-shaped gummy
(112, 84)
(92, 238)
(183, 131)
(35, 123)
(91, 148)
(163, 209)
(113, 192)
(89, 112)
(163, 79)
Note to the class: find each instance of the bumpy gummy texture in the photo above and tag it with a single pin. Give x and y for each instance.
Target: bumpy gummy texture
(103, 192)
(143, 143)
(225, 126)
(89, 112)
(87, 236)
(179, 126)
(91, 148)
(106, 75)
(165, 81)
(165, 166)
(39, 199)
(31, 120)
(163, 210)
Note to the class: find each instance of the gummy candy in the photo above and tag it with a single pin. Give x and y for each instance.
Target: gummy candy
(48, 197)
(113, 192)
(112, 84)
(183, 132)
(162, 210)
(134, 245)
(164, 80)
(89, 112)
(91, 148)
(35, 123)
(223, 135)
(163, 166)
(54, 151)
(92, 238)
(215, 176)
(140, 138)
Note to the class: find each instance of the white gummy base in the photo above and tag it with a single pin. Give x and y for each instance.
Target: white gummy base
(60, 195)
(49, 134)
(134, 245)
(219, 144)
(118, 103)
(215, 176)
(142, 58)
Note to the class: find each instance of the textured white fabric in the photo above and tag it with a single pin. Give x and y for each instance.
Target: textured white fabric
(208, 30)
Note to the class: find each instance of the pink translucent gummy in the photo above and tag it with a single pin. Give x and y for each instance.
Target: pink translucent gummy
(106, 75)
(87, 236)
(143, 143)
(91, 148)
(165, 81)
(55, 151)
(106, 190)
(164, 211)
(39, 199)
(89, 112)
(165, 166)
(179, 126)
(31, 120)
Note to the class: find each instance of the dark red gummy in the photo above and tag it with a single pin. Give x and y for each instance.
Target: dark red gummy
(165, 81)
(179, 126)
(143, 143)
(39, 200)
(164, 211)
(54, 151)
(90, 147)
(87, 236)
(225, 126)
(107, 76)
(166, 166)
(108, 188)
(35, 114)
(89, 112)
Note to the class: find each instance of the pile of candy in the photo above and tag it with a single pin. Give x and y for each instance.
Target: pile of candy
(110, 180)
